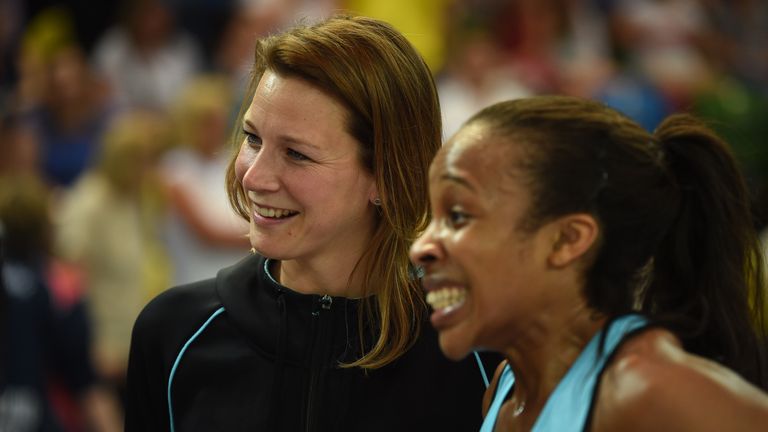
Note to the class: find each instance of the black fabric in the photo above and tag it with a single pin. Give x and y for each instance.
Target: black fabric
(608, 362)
(270, 363)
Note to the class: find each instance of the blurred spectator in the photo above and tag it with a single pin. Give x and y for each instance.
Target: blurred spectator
(107, 225)
(584, 50)
(739, 113)
(204, 21)
(248, 21)
(253, 19)
(634, 96)
(735, 98)
(530, 33)
(738, 37)
(71, 120)
(202, 232)
(19, 148)
(475, 77)
(45, 33)
(585, 33)
(44, 333)
(662, 40)
(147, 59)
(234, 52)
(61, 99)
(90, 19)
(10, 33)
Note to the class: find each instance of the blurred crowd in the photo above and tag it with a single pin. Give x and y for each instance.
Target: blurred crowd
(115, 125)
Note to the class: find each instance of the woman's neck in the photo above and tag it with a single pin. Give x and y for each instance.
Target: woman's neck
(544, 353)
(321, 277)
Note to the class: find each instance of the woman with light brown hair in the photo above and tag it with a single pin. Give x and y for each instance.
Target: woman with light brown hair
(322, 327)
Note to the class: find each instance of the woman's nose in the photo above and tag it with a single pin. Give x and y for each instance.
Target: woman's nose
(261, 172)
(426, 250)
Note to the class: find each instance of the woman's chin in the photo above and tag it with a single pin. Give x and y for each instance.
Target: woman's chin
(453, 345)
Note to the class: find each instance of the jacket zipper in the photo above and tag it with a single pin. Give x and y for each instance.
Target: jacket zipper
(320, 346)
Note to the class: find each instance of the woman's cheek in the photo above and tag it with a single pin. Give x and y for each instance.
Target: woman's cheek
(242, 163)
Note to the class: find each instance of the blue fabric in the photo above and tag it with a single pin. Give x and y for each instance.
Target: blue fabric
(569, 404)
(67, 154)
(506, 381)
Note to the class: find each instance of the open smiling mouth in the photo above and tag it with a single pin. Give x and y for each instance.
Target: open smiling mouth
(273, 213)
(446, 298)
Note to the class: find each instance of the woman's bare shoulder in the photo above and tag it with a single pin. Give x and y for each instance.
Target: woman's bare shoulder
(653, 383)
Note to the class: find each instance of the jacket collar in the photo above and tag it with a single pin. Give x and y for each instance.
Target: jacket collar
(253, 299)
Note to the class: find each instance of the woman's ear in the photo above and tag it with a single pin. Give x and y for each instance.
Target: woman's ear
(576, 233)
(373, 192)
(373, 197)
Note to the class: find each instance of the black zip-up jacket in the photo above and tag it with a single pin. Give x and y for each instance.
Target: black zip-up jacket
(243, 353)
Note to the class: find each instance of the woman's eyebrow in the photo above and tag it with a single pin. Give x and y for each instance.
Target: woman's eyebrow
(458, 179)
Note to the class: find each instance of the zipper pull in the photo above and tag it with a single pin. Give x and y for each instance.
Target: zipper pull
(326, 301)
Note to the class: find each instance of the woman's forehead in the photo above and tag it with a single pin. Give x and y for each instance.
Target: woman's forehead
(476, 146)
(477, 155)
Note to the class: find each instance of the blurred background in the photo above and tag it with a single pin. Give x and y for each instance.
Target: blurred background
(114, 125)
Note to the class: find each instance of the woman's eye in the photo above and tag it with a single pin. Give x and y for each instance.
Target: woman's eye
(457, 218)
(293, 154)
(252, 139)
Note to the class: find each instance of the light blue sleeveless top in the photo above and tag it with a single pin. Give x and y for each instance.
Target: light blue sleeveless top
(569, 404)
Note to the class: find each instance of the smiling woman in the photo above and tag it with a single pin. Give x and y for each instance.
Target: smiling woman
(617, 271)
(310, 196)
(321, 329)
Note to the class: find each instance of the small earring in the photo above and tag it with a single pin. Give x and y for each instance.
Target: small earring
(376, 201)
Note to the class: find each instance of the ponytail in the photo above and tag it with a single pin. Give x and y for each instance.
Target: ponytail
(677, 241)
(708, 284)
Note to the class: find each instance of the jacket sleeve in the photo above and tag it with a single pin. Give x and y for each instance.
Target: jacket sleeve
(146, 394)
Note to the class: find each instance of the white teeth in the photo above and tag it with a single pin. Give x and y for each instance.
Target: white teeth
(446, 298)
(273, 213)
